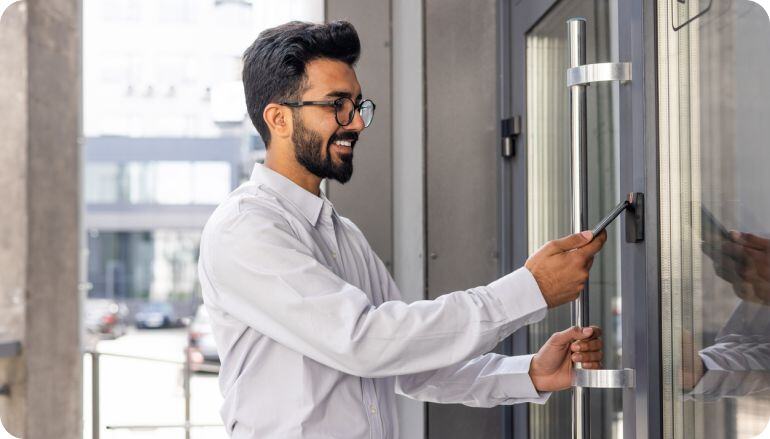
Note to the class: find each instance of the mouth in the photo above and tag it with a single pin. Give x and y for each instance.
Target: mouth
(343, 146)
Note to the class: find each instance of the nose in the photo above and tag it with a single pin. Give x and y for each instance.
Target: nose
(357, 124)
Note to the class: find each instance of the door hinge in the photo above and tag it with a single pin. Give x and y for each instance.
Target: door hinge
(509, 129)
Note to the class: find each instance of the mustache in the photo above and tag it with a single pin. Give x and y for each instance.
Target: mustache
(352, 137)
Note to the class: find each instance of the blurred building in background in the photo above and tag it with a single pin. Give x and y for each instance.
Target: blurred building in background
(166, 134)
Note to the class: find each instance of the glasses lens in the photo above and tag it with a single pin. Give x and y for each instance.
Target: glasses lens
(345, 108)
(367, 112)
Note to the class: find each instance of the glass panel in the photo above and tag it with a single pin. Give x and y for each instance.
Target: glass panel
(549, 192)
(714, 105)
(104, 181)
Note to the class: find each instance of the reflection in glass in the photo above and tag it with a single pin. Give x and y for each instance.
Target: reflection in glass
(715, 222)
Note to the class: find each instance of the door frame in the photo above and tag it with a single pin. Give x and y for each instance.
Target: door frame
(639, 263)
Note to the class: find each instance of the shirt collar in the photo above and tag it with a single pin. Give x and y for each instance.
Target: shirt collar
(307, 203)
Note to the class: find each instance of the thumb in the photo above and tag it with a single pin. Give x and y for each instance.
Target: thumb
(571, 242)
(571, 334)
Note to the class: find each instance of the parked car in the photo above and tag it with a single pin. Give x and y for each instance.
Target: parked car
(105, 317)
(157, 315)
(201, 343)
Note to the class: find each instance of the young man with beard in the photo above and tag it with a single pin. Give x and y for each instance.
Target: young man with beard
(313, 337)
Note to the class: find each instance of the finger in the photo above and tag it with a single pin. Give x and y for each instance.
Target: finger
(570, 242)
(734, 250)
(588, 357)
(594, 246)
(586, 333)
(597, 331)
(587, 345)
(592, 365)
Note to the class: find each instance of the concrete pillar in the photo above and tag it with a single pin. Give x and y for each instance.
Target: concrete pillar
(39, 154)
(13, 199)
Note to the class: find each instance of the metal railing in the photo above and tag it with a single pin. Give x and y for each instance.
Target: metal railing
(187, 371)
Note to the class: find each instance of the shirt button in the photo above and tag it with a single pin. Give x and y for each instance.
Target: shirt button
(334, 255)
(373, 409)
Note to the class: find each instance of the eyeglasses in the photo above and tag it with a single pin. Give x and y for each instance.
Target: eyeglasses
(344, 109)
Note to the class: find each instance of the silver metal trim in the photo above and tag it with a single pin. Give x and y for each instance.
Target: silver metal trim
(604, 378)
(601, 72)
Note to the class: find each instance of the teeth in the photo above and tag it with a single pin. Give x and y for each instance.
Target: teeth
(343, 143)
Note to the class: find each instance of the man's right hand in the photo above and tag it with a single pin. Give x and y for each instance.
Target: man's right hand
(561, 266)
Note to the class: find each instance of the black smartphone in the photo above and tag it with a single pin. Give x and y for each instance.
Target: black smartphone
(711, 227)
(607, 220)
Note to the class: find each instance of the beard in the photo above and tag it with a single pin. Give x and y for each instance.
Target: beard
(308, 148)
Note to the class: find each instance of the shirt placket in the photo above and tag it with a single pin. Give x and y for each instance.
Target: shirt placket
(371, 407)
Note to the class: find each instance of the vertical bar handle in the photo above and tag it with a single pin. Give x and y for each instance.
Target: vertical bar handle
(576, 40)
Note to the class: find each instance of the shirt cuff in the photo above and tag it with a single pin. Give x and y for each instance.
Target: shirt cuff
(520, 387)
(520, 296)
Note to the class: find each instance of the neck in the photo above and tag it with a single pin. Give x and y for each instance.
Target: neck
(291, 169)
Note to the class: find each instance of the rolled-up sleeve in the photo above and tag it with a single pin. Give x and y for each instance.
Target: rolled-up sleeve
(256, 269)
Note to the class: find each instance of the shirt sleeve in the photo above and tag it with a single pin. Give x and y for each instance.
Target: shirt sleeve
(254, 268)
(485, 381)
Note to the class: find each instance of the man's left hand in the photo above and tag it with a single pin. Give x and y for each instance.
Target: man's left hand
(551, 367)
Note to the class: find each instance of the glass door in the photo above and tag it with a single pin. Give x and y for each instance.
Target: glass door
(536, 195)
(714, 139)
(541, 188)
(549, 189)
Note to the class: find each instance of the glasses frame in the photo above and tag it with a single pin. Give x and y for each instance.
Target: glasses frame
(337, 104)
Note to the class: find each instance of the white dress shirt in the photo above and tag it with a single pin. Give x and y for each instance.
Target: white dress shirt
(313, 337)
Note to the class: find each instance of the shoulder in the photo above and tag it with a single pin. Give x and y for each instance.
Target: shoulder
(352, 228)
(248, 209)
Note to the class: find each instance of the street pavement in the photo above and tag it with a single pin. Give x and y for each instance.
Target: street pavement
(148, 393)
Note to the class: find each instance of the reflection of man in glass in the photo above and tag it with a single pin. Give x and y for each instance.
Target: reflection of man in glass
(738, 363)
(313, 337)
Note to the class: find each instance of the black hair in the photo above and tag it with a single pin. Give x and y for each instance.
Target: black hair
(274, 65)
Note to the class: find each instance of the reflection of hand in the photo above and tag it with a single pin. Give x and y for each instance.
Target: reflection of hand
(561, 266)
(744, 261)
(551, 367)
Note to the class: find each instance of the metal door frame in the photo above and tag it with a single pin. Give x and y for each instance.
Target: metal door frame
(639, 263)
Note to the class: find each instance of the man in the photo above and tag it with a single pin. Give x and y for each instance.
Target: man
(313, 338)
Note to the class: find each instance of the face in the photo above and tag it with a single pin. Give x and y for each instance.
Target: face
(322, 146)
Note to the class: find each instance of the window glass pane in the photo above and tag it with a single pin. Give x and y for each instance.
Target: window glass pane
(549, 192)
(141, 182)
(102, 182)
(715, 286)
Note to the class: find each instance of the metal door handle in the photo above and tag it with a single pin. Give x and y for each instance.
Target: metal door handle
(579, 76)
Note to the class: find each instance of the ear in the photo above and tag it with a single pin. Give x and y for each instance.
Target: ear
(279, 121)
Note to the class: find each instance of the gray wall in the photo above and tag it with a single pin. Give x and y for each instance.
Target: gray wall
(385, 196)
(461, 159)
(425, 180)
(39, 149)
(367, 199)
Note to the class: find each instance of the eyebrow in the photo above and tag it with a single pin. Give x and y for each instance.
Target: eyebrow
(342, 94)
